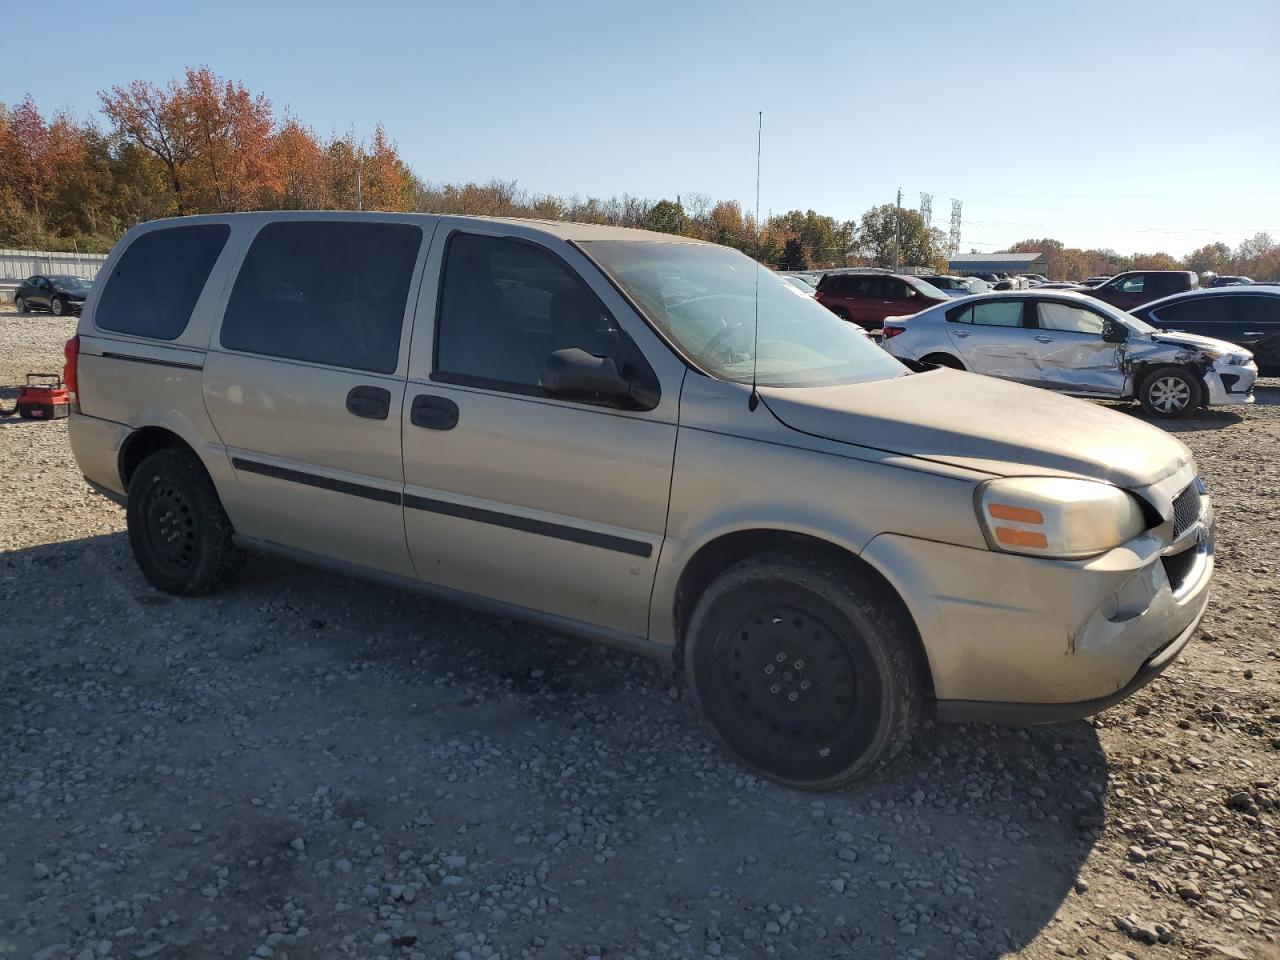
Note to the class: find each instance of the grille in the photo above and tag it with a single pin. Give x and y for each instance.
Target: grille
(1229, 381)
(1178, 566)
(1186, 510)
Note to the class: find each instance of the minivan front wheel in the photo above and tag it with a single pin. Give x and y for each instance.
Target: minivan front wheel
(805, 676)
(1171, 392)
(179, 533)
(57, 306)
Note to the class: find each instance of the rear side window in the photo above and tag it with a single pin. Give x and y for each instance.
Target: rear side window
(156, 283)
(996, 313)
(1257, 309)
(324, 291)
(1159, 284)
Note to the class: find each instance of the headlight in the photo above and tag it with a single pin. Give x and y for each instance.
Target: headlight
(1057, 516)
(1228, 359)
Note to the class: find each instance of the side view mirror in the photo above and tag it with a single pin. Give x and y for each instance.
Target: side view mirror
(1113, 332)
(574, 373)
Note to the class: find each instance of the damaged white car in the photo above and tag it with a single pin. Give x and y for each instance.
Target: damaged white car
(1077, 345)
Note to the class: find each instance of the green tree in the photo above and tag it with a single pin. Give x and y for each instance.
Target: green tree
(794, 256)
(666, 217)
(883, 233)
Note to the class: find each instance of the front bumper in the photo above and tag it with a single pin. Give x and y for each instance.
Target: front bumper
(1230, 385)
(1031, 640)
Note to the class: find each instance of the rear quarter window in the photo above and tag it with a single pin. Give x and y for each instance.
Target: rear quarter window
(156, 283)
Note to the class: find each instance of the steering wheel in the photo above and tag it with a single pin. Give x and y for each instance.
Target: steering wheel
(710, 349)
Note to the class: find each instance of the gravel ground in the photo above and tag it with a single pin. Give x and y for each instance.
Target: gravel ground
(311, 767)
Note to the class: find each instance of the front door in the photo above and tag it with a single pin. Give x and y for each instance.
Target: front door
(991, 339)
(305, 381)
(1069, 353)
(513, 495)
(40, 292)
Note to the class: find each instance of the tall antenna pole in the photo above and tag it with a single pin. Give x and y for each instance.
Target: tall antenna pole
(754, 399)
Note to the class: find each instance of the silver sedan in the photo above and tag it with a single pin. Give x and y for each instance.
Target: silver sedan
(1074, 344)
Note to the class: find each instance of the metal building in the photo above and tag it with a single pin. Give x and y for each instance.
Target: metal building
(967, 264)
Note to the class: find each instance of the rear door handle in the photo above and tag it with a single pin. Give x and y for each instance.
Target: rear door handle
(1044, 339)
(434, 413)
(960, 333)
(1251, 333)
(372, 403)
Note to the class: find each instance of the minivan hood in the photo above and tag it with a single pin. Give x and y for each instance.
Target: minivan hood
(984, 424)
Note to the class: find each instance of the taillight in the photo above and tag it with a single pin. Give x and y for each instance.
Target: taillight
(893, 331)
(70, 370)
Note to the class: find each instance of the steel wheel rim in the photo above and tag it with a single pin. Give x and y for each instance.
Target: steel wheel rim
(790, 678)
(170, 528)
(1169, 394)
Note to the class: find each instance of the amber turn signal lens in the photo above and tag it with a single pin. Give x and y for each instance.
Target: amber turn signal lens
(1002, 511)
(1021, 538)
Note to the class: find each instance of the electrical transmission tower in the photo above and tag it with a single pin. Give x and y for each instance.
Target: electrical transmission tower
(953, 242)
(926, 209)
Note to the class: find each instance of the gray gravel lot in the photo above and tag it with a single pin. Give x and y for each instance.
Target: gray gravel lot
(308, 766)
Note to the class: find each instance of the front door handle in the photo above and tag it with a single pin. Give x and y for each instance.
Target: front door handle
(372, 403)
(1252, 333)
(960, 333)
(1044, 339)
(434, 413)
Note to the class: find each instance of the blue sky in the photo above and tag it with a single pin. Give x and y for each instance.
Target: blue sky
(1136, 125)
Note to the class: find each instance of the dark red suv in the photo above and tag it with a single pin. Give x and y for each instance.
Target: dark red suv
(867, 298)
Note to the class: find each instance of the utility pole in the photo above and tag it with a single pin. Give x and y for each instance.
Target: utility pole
(359, 165)
(897, 231)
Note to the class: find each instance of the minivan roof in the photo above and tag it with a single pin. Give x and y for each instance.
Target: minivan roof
(565, 230)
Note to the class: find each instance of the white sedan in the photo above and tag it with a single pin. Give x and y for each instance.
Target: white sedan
(1078, 345)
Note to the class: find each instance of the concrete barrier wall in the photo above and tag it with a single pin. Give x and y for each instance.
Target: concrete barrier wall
(17, 265)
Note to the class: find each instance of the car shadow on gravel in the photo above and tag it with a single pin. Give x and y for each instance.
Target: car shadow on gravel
(381, 725)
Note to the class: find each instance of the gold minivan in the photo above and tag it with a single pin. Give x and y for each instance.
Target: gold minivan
(645, 440)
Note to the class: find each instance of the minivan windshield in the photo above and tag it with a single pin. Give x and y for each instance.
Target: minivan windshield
(702, 297)
(927, 288)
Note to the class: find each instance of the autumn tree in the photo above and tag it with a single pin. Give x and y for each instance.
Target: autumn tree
(230, 129)
(155, 120)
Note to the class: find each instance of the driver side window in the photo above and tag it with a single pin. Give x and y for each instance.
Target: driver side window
(506, 305)
(1068, 318)
(1130, 284)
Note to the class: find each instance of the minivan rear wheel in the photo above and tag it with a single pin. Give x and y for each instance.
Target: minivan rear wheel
(1171, 392)
(20, 305)
(180, 535)
(806, 677)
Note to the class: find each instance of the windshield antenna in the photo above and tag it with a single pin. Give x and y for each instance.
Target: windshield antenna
(754, 400)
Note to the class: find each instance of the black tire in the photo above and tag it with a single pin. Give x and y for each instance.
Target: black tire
(57, 306)
(846, 694)
(1171, 393)
(180, 535)
(20, 305)
(943, 360)
(842, 313)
